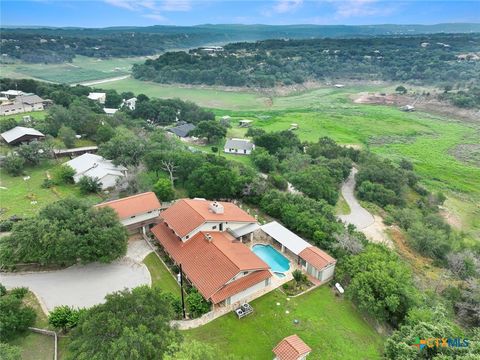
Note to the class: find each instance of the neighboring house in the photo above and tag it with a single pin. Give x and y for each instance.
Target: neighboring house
(95, 166)
(199, 235)
(239, 146)
(291, 348)
(21, 104)
(130, 103)
(11, 94)
(110, 111)
(20, 134)
(315, 262)
(96, 96)
(182, 130)
(137, 212)
(75, 151)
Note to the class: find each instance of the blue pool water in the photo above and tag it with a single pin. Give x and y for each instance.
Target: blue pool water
(277, 262)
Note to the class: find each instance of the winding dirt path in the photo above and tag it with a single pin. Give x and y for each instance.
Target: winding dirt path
(371, 225)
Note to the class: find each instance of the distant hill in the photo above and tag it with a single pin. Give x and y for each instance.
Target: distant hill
(56, 45)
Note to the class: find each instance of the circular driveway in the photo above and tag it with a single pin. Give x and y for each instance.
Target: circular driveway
(85, 285)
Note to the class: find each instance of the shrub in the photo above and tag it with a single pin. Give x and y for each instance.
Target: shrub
(64, 174)
(196, 304)
(47, 183)
(13, 164)
(6, 225)
(64, 317)
(19, 292)
(89, 185)
(15, 317)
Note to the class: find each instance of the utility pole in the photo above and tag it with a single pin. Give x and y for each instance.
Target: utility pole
(181, 291)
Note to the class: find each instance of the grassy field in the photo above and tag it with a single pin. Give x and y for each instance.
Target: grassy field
(329, 325)
(81, 69)
(160, 276)
(16, 194)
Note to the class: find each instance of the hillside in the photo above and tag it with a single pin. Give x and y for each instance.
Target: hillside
(56, 45)
(423, 59)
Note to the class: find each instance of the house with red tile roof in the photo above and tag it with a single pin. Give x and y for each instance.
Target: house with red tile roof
(138, 212)
(291, 348)
(206, 238)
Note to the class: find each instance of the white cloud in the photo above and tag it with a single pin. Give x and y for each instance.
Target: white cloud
(176, 5)
(353, 8)
(156, 17)
(156, 6)
(285, 6)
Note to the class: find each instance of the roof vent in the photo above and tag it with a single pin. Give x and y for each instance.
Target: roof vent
(216, 208)
(208, 237)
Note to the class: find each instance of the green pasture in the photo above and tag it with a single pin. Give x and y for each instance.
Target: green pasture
(80, 69)
(331, 326)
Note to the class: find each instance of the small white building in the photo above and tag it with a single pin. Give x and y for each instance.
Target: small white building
(95, 166)
(245, 123)
(110, 111)
(130, 103)
(239, 146)
(11, 94)
(137, 212)
(97, 96)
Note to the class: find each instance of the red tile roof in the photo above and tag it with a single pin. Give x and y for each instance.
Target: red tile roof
(209, 265)
(133, 205)
(316, 257)
(188, 214)
(241, 284)
(291, 348)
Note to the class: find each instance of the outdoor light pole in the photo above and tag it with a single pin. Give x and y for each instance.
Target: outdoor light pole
(181, 291)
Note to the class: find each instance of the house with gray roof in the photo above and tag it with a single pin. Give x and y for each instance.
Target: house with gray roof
(21, 104)
(20, 134)
(239, 146)
(95, 166)
(182, 130)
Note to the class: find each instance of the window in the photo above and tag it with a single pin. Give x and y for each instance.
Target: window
(214, 227)
(131, 217)
(244, 151)
(186, 237)
(221, 227)
(150, 212)
(245, 273)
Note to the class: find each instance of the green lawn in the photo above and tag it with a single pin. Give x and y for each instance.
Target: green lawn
(37, 115)
(161, 277)
(16, 194)
(342, 208)
(329, 325)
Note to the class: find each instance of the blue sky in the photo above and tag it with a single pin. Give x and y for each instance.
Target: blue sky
(191, 12)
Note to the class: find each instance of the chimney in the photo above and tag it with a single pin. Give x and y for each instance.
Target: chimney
(216, 208)
(208, 237)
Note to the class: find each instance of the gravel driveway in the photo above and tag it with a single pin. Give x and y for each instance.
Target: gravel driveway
(85, 285)
(358, 216)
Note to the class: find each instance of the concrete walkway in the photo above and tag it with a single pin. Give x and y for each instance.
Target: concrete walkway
(85, 285)
(358, 216)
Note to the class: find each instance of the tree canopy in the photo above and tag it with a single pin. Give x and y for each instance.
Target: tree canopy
(129, 325)
(63, 233)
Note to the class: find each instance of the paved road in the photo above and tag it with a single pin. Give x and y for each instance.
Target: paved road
(358, 216)
(85, 285)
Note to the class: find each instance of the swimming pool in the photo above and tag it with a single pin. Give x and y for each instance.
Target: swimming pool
(277, 262)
